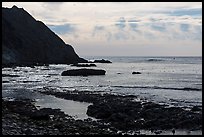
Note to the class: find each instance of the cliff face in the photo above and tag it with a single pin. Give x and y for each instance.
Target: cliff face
(27, 41)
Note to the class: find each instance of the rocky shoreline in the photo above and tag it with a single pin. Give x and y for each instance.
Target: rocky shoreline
(21, 117)
(116, 114)
(129, 113)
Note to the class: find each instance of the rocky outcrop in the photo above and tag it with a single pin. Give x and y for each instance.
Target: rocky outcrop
(46, 121)
(83, 72)
(102, 61)
(84, 65)
(8, 75)
(28, 41)
(125, 113)
(136, 72)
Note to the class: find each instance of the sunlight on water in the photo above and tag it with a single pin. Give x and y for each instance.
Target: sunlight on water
(73, 108)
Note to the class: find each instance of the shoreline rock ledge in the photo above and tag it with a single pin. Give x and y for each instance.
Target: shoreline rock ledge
(83, 72)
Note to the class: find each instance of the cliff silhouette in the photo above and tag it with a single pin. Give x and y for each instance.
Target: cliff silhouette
(28, 41)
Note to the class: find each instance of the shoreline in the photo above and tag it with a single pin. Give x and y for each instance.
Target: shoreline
(21, 117)
(135, 113)
(115, 114)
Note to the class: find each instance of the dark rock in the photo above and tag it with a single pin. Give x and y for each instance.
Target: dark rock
(119, 117)
(28, 41)
(123, 113)
(136, 72)
(84, 65)
(38, 115)
(8, 75)
(37, 123)
(83, 72)
(148, 105)
(153, 60)
(196, 108)
(99, 111)
(102, 61)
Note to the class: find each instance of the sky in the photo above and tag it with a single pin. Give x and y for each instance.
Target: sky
(123, 28)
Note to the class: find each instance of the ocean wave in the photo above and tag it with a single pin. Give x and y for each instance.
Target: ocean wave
(157, 87)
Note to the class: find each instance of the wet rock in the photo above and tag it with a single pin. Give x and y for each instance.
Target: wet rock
(9, 75)
(39, 115)
(84, 65)
(154, 60)
(148, 105)
(99, 111)
(136, 72)
(124, 113)
(15, 123)
(102, 61)
(119, 117)
(83, 72)
(196, 108)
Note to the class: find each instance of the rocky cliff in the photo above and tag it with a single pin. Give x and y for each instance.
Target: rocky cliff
(27, 41)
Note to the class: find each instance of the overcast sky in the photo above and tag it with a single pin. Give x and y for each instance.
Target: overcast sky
(123, 28)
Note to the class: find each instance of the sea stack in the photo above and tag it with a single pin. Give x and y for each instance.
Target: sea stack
(28, 41)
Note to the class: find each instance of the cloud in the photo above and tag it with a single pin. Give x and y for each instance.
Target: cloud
(184, 27)
(158, 27)
(97, 29)
(155, 19)
(134, 20)
(102, 32)
(120, 36)
(133, 26)
(197, 33)
(186, 11)
(63, 29)
(52, 5)
(144, 23)
(121, 23)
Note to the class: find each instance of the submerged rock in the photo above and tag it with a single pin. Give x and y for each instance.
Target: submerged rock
(83, 72)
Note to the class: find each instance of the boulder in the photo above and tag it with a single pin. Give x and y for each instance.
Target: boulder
(83, 72)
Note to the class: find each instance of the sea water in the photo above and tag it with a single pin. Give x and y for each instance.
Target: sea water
(176, 81)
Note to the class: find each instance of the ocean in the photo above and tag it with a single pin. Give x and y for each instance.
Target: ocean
(176, 81)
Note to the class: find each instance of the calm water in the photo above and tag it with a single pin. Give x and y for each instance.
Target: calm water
(171, 80)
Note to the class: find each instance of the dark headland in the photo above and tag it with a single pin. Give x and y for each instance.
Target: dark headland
(26, 40)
